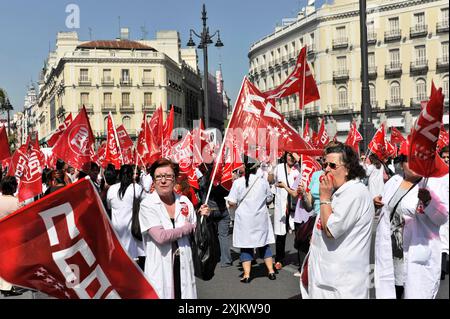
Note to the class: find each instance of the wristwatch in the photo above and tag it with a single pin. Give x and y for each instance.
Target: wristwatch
(325, 202)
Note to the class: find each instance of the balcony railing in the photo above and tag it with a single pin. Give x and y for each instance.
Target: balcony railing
(417, 101)
(393, 69)
(394, 103)
(109, 107)
(148, 107)
(442, 64)
(126, 82)
(392, 35)
(419, 66)
(340, 75)
(340, 43)
(84, 82)
(372, 72)
(126, 108)
(148, 82)
(311, 50)
(371, 38)
(89, 107)
(342, 108)
(108, 81)
(419, 30)
(442, 26)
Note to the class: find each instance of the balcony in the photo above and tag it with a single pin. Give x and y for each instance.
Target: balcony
(341, 108)
(374, 105)
(418, 67)
(126, 82)
(393, 70)
(340, 76)
(417, 101)
(340, 43)
(311, 51)
(108, 81)
(372, 72)
(84, 82)
(89, 108)
(126, 108)
(419, 30)
(109, 107)
(442, 27)
(148, 82)
(394, 103)
(146, 107)
(371, 38)
(442, 64)
(392, 35)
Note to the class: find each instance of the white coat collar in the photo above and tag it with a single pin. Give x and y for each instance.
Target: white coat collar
(345, 186)
(178, 200)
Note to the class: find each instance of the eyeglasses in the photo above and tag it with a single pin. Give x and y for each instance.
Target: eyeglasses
(167, 177)
(333, 166)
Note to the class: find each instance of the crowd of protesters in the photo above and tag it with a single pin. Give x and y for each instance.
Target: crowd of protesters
(341, 203)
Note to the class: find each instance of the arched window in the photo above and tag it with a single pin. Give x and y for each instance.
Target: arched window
(445, 89)
(342, 97)
(373, 95)
(421, 90)
(126, 121)
(395, 92)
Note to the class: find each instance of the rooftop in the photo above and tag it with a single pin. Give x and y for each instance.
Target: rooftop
(115, 44)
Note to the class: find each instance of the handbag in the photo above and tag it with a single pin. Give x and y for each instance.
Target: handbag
(303, 234)
(292, 202)
(135, 225)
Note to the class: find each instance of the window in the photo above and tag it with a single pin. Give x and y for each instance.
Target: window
(445, 88)
(371, 58)
(84, 97)
(373, 95)
(394, 24)
(293, 46)
(341, 34)
(445, 51)
(394, 56)
(105, 120)
(126, 99)
(421, 90)
(444, 16)
(395, 92)
(419, 19)
(125, 75)
(312, 41)
(126, 121)
(107, 99)
(342, 97)
(147, 99)
(107, 75)
(286, 51)
(84, 75)
(420, 53)
(301, 43)
(342, 63)
(147, 74)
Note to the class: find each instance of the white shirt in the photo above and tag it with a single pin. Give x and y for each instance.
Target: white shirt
(121, 213)
(158, 264)
(339, 267)
(252, 225)
(376, 180)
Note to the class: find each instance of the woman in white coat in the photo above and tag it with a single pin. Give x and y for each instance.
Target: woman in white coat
(252, 226)
(166, 220)
(407, 245)
(374, 172)
(284, 173)
(338, 263)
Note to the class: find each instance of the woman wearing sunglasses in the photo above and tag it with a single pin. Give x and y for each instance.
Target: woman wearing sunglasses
(338, 264)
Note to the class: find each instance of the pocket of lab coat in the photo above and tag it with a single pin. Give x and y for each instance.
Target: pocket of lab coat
(419, 254)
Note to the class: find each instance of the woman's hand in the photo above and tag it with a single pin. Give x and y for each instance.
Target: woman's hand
(301, 190)
(377, 202)
(326, 187)
(280, 185)
(204, 210)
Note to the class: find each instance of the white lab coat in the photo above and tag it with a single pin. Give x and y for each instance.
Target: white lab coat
(281, 201)
(339, 267)
(376, 180)
(159, 264)
(443, 231)
(121, 214)
(252, 225)
(421, 242)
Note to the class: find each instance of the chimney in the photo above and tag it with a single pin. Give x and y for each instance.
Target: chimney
(124, 34)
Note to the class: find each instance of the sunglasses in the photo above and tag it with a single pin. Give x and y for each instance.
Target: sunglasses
(333, 166)
(167, 177)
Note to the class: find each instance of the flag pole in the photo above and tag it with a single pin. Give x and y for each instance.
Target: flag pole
(222, 145)
(302, 106)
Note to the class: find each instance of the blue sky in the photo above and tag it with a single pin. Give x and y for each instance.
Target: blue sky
(29, 28)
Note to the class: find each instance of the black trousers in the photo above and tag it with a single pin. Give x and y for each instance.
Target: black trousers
(280, 244)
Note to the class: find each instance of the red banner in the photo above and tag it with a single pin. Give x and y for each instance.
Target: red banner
(353, 137)
(396, 136)
(112, 153)
(63, 245)
(31, 180)
(443, 138)
(322, 137)
(4, 144)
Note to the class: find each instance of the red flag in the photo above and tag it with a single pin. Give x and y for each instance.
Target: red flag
(306, 135)
(54, 138)
(168, 125)
(314, 139)
(124, 139)
(294, 83)
(156, 126)
(4, 144)
(112, 153)
(146, 148)
(31, 180)
(18, 161)
(309, 166)
(378, 144)
(76, 144)
(63, 245)
(322, 137)
(353, 137)
(50, 158)
(423, 158)
(443, 138)
(231, 160)
(396, 136)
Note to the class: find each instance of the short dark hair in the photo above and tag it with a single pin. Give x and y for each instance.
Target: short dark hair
(110, 174)
(60, 164)
(9, 185)
(164, 162)
(349, 158)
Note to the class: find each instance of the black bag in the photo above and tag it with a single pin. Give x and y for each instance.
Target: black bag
(303, 234)
(135, 226)
(204, 248)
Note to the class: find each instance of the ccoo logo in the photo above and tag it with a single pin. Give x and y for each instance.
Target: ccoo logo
(78, 139)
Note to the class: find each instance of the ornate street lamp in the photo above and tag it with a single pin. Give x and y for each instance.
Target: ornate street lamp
(6, 106)
(205, 40)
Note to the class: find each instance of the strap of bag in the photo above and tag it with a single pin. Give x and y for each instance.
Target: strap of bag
(395, 207)
(248, 190)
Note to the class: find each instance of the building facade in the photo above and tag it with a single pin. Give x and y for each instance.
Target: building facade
(408, 49)
(124, 77)
(30, 111)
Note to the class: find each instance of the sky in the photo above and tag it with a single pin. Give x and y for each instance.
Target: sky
(28, 30)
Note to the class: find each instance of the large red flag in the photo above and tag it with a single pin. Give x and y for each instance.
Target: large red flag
(146, 147)
(168, 124)
(396, 136)
(31, 180)
(113, 153)
(76, 144)
(322, 138)
(443, 138)
(353, 137)
(54, 138)
(63, 245)
(156, 126)
(18, 162)
(422, 157)
(4, 144)
(294, 83)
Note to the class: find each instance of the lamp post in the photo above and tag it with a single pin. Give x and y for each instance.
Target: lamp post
(205, 40)
(6, 106)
